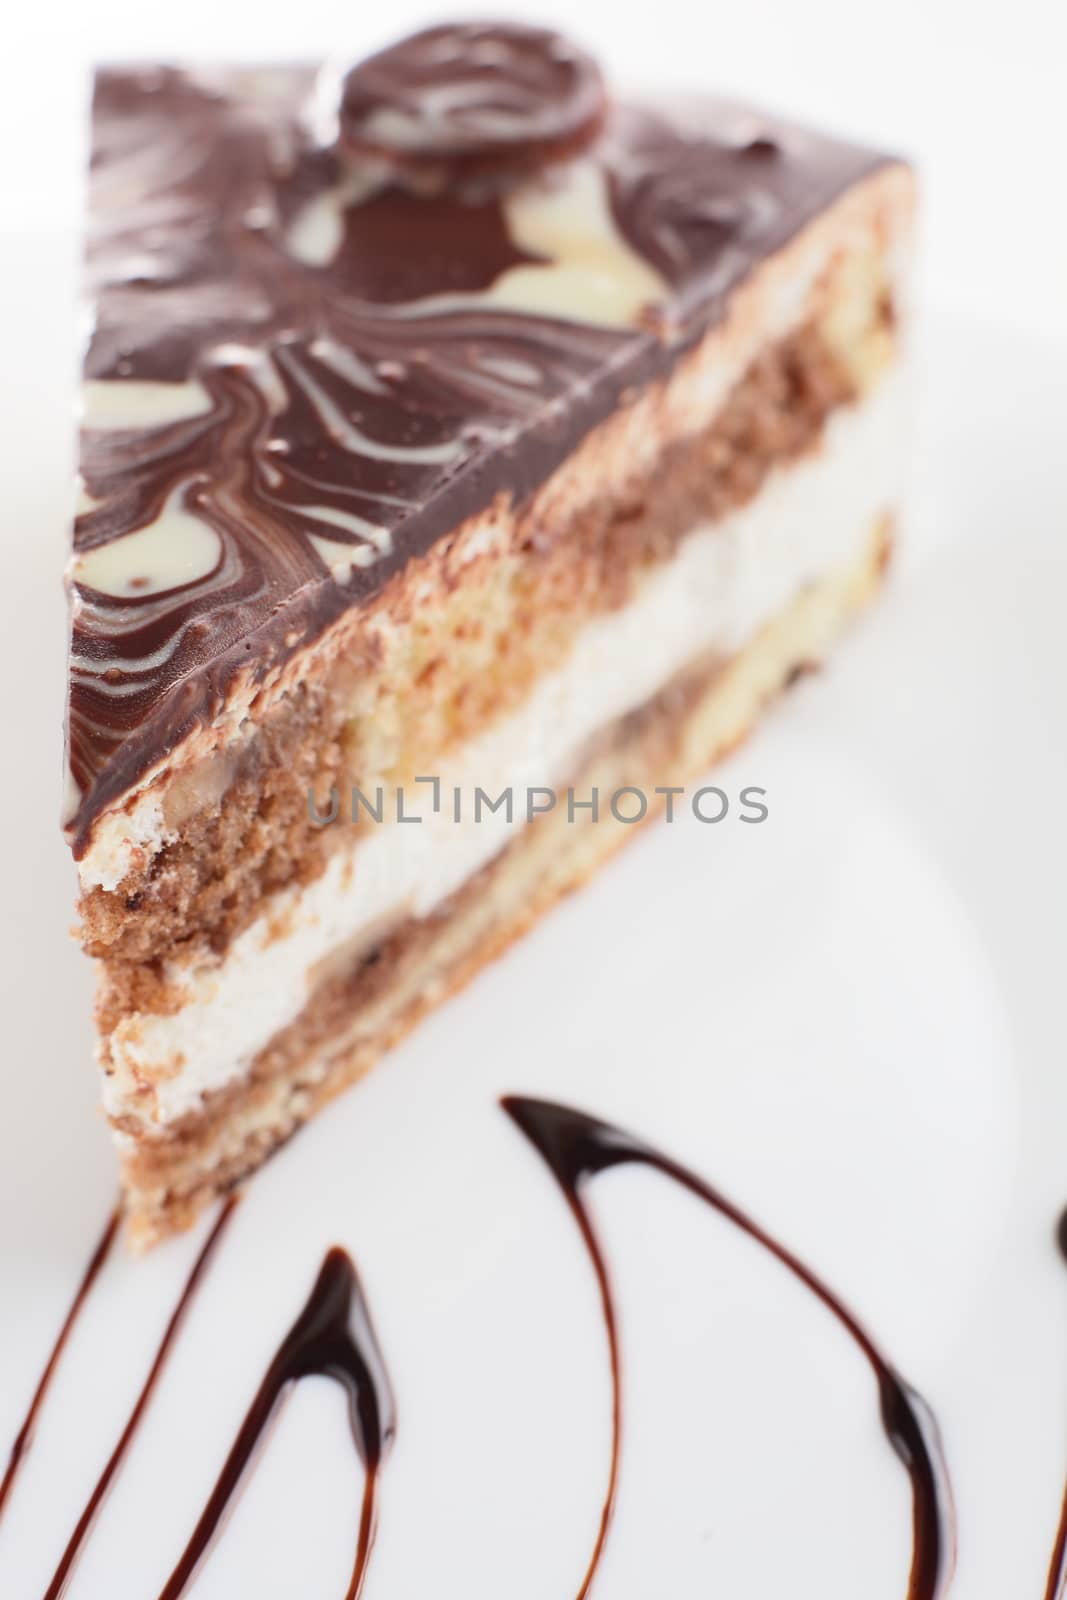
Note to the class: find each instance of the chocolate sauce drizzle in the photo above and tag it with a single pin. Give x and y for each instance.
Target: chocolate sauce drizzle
(577, 1147)
(333, 1337)
(1056, 1583)
(95, 1502)
(24, 1438)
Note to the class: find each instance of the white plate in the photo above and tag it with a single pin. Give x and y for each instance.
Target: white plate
(849, 1018)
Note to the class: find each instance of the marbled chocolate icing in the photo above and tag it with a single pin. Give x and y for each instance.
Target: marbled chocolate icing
(302, 371)
(474, 93)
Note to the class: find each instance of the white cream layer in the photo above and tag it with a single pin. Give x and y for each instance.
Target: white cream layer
(725, 582)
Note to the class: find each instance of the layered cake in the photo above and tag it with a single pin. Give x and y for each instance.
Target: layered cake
(463, 448)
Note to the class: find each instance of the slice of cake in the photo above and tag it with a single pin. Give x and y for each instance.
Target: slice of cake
(458, 443)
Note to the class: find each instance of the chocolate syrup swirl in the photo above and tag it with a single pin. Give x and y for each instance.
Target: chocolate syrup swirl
(1056, 1584)
(24, 1438)
(333, 1337)
(94, 1505)
(576, 1147)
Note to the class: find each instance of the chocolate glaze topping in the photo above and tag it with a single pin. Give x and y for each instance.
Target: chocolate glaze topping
(474, 94)
(576, 1147)
(303, 371)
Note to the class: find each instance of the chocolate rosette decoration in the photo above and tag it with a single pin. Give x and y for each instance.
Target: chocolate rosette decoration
(473, 98)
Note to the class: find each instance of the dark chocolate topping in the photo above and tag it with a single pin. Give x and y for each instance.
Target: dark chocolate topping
(575, 1147)
(474, 94)
(301, 373)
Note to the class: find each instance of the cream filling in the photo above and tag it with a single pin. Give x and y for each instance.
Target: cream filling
(727, 580)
